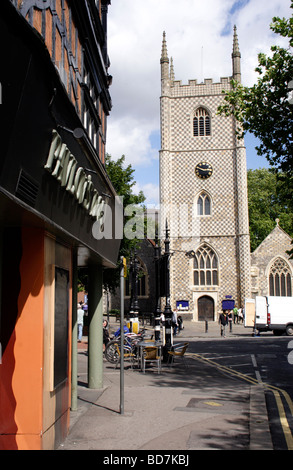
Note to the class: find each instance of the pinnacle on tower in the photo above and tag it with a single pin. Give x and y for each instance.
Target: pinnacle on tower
(164, 56)
(165, 77)
(236, 50)
(236, 58)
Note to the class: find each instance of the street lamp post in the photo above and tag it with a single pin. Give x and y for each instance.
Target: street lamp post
(134, 307)
(131, 276)
(167, 311)
(157, 312)
(135, 291)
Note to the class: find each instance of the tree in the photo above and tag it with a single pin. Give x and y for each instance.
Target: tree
(265, 203)
(264, 109)
(123, 182)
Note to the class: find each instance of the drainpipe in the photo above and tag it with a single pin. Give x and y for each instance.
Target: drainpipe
(95, 334)
(74, 333)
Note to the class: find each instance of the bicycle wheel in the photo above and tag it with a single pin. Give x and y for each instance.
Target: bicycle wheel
(111, 351)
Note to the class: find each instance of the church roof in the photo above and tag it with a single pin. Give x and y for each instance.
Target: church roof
(275, 233)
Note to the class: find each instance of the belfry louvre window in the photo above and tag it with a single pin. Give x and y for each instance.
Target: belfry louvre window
(280, 279)
(201, 123)
(205, 267)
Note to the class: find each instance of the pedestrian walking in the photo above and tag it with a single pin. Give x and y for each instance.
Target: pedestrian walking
(223, 320)
(80, 315)
(240, 315)
(180, 323)
(174, 322)
(235, 313)
(230, 320)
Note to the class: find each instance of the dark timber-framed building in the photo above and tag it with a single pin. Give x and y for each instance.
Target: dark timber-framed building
(55, 199)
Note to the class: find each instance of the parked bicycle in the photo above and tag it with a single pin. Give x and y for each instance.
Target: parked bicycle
(131, 350)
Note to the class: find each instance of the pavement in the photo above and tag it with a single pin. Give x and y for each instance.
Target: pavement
(181, 409)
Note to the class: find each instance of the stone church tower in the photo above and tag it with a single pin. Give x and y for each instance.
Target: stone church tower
(203, 193)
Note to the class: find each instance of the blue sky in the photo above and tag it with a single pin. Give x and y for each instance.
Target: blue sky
(235, 8)
(253, 160)
(199, 39)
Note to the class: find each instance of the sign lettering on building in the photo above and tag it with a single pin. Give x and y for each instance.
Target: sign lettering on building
(73, 178)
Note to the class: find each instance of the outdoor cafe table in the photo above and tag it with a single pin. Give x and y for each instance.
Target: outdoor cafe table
(148, 344)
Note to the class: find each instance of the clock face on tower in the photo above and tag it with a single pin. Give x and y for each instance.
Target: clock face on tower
(203, 170)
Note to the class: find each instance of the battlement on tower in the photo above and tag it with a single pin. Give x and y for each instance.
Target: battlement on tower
(195, 88)
(174, 88)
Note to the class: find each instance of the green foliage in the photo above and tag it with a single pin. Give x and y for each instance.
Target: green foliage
(123, 181)
(82, 283)
(264, 109)
(266, 204)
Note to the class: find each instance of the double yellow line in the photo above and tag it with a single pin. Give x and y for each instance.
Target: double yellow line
(282, 415)
(276, 391)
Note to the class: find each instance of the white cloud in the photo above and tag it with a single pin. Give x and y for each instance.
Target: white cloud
(130, 137)
(199, 38)
(151, 192)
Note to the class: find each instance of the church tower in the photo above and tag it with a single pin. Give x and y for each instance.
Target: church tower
(203, 193)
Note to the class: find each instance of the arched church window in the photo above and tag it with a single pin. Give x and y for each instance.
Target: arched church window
(201, 123)
(203, 204)
(280, 279)
(205, 267)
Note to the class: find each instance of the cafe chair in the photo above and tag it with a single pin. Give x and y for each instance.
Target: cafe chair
(128, 355)
(151, 354)
(178, 352)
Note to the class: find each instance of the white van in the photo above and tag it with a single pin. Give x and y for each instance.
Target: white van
(270, 314)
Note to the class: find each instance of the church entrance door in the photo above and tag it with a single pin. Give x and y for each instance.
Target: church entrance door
(205, 308)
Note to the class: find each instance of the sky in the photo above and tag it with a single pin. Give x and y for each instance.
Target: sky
(199, 39)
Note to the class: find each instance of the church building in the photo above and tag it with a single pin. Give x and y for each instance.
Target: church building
(204, 202)
(272, 266)
(203, 193)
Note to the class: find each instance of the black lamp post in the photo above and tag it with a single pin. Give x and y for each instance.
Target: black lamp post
(135, 290)
(130, 313)
(134, 307)
(157, 313)
(167, 311)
